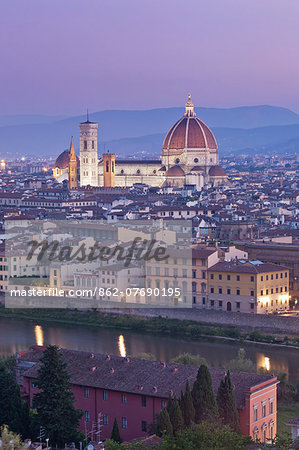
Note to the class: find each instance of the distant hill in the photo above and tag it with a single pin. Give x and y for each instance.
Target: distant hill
(130, 132)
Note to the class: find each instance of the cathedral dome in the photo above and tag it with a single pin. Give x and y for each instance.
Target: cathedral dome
(175, 171)
(217, 171)
(189, 132)
(63, 159)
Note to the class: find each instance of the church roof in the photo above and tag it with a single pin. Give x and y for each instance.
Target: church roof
(189, 132)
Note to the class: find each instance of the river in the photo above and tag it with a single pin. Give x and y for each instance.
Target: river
(18, 335)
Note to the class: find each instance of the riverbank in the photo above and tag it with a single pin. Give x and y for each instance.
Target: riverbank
(189, 329)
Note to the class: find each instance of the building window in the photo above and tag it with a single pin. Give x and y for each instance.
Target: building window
(33, 385)
(212, 290)
(228, 277)
(264, 433)
(143, 426)
(87, 416)
(105, 419)
(251, 305)
(238, 277)
(271, 409)
(164, 403)
(85, 145)
(124, 398)
(193, 300)
(264, 410)
(238, 292)
(255, 413)
(204, 300)
(212, 276)
(220, 303)
(92, 144)
(238, 305)
(220, 276)
(262, 278)
(105, 395)
(286, 274)
(124, 423)
(220, 290)
(262, 292)
(252, 293)
(212, 303)
(86, 393)
(228, 291)
(251, 278)
(143, 401)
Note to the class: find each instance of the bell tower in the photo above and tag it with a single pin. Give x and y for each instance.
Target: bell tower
(72, 168)
(109, 169)
(88, 153)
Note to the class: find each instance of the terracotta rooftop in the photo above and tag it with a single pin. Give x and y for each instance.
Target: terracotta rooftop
(137, 376)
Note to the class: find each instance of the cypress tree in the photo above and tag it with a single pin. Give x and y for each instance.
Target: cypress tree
(115, 435)
(164, 425)
(186, 404)
(176, 417)
(227, 404)
(204, 401)
(11, 407)
(55, 403)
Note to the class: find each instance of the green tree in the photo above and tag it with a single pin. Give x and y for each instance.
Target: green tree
(115, 435)
(204, 401)
(187, 407)
(189, 360)
(55, 403)
(206, 436)
(241, 363)
(227, 404)
(10, 400)
(10, 440)
(176, 417)
(164, 425)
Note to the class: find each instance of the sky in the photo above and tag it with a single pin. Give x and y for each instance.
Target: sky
(62, 56)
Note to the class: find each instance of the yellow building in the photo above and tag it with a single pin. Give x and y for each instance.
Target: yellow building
(171, 279)
(248, 286)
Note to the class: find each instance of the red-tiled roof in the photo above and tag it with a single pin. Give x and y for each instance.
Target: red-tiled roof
(137, 376)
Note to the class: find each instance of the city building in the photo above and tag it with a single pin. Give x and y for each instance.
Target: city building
(248, 287)
(134, 390)
(189, 156)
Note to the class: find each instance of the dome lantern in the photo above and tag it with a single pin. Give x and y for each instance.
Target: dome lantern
(189, 108)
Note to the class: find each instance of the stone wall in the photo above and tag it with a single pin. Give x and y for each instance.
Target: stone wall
(259, 322)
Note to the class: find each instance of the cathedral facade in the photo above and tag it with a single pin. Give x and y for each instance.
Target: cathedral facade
(189, 156)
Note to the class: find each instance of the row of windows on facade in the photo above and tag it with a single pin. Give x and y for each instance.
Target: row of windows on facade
(174, 284)
(158, 272)
(85, 173)
(92, 145)
(124, 421)
(85, 160)
(228, 277)
(238, 291)
(238, 304)
(270, 403)
(123, 397)
(264, 429)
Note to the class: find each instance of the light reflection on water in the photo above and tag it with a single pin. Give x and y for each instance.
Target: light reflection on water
(18, 335)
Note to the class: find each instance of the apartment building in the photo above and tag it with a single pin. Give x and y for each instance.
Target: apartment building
(248, 287)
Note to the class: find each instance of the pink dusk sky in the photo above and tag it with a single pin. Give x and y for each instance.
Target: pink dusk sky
(60, 56)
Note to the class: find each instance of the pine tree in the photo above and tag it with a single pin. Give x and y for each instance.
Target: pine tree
(204, 401)
(227, 404)
(164, 426)
(186, 404)
(10, 400)
(55, 403)
(176, 417)
(115, 435)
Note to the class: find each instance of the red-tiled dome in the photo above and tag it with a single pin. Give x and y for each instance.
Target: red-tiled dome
(189, 132)
(175, 171)
(63, 160)
(217, 171)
